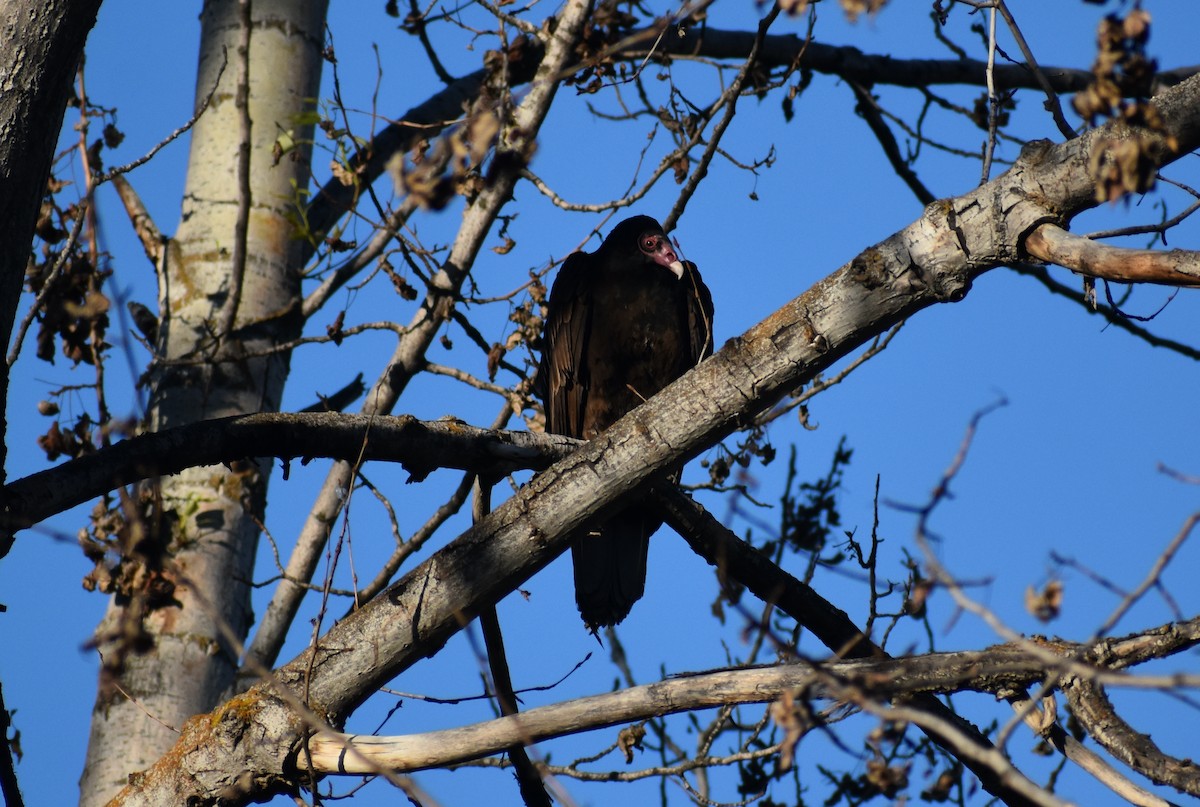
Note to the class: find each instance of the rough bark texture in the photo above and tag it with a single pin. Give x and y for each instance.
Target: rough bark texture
(204, 522)
(40, 45)
(932, 260)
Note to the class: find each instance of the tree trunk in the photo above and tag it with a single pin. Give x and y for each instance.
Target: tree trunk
(40, 45)
(229, 290)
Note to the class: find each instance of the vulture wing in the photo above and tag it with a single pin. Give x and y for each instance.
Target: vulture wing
(563, 374)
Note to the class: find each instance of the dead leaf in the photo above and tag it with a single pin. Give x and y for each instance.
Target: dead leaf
(1045, 605)
(630, 738)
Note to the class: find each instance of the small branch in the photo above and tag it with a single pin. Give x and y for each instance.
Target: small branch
(821, 384)
(1052, 102)
(340, 276)
(1153, 577)
(340, 400)
(869, 109)
(989, 147)
(173, 136)
(417, 26)
(139, 216)
(1052, 244)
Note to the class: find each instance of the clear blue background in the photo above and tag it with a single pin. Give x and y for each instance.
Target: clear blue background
(1071, 464)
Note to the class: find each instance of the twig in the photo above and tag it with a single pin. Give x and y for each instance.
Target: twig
(1152, 576)
(173, 136)
(989, 146)
(729, 100)
(1052, 102)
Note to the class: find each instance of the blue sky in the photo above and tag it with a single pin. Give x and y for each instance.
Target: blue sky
(1070, 465)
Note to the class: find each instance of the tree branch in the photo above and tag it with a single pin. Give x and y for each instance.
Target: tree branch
(1095, 712)
(420, 446)
(991, 670)
(1053, 244)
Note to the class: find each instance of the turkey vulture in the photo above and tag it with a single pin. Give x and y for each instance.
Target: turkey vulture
(622, 323)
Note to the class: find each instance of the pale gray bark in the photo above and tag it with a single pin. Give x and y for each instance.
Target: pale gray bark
(1013, 665)
(207, 514)
(40, 45)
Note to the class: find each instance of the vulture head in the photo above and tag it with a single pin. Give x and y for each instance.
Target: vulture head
(642, 238)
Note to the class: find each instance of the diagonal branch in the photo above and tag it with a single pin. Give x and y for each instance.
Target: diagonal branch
(443, 289)
(1092, 708)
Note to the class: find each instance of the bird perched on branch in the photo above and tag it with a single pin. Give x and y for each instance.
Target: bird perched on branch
(622, 323)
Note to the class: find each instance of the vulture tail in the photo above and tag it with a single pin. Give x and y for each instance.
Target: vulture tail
(610, 567)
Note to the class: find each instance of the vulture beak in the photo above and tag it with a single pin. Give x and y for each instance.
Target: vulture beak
(665, 257)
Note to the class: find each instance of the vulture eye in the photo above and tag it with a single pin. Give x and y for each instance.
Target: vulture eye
(650, 243)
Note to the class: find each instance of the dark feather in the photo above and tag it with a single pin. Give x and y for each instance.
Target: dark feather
(620, 326)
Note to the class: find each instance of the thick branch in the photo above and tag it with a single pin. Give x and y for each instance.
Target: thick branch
(420, 446)
(1053, 244)
(885, 678)
(1096, 714)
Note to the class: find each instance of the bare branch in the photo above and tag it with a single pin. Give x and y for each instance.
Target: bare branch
(1039, 75)
(1053, 244)
(421, 446)
(443, 288)
(114, 173)
(1092, 708)
(874, 680)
